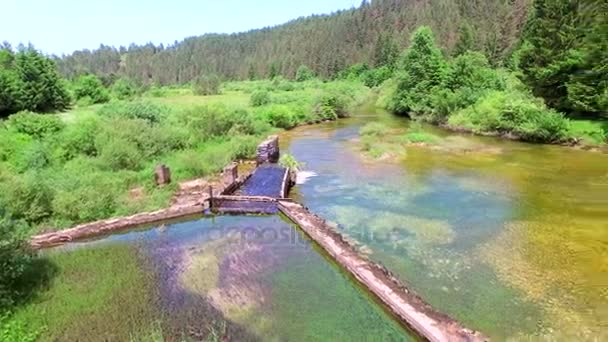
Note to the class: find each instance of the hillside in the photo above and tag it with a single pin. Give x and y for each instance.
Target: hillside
(326, 43)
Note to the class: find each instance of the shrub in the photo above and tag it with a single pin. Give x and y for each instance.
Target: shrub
(289, 161)
(91, 197)
(243, 147)
(121, 154)
(280, 116)
(79, 138)
(304, 73)
(260, 98)
(144, 110)
(375, 129)
(214, 120)
(27, 198)
(354, 72)
(90, 86)
(375, 77)
(508, 112)
(35, 125)
(15, 257)
(206, 85)
(331, 106)
(123, 89)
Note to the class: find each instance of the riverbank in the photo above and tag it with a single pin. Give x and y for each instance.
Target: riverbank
(95, 162)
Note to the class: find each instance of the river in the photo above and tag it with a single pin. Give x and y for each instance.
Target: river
(509, 238)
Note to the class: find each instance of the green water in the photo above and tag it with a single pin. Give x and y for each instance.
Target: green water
(509, 238)
(248, 278)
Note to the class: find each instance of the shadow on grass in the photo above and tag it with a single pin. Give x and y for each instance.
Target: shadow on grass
(35, 279)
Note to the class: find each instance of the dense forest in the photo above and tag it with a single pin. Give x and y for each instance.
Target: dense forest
(326, 43)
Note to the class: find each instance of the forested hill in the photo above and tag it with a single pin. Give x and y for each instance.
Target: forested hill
(326, 43)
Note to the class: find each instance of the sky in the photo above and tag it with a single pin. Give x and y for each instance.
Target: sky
(63, 26)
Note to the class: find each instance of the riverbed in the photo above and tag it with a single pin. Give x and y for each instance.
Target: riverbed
(509, 238)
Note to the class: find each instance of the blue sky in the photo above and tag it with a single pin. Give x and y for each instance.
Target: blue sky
(62, 26)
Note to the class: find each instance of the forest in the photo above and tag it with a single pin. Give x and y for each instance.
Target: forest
(75, 129)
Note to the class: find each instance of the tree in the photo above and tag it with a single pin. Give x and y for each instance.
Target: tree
(588, 86)
(123, 89)
(423, 68)
(304, 74)
(386, 52)
(89, 87)
(466, 39)
(551, 50)
(251, 74)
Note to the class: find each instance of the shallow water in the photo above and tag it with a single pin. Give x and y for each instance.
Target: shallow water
(510, 238)
(257, 278)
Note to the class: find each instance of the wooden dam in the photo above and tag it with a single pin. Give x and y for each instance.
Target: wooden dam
(265, 191)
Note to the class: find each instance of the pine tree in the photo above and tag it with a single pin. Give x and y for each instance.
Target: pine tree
(424, 68)
(386, 52)
(588, 86)
(466, 39)
(551, 52)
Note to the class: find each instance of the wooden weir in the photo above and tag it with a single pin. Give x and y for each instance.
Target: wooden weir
(264, 192)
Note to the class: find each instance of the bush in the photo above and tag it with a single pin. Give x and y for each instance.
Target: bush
(123, 89)
(206, 85)
(91, 197)
(260, 98)
(121, 154)
(375, 77)
(144, 110)
(331, 106)
(35, 125)
(79, 138)
(304, 73)
(280, 116)
(26, 197)
(15, 256)
(90, 86)
(508, 112)
(375, 129)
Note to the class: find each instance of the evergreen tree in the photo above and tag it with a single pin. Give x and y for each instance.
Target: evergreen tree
(424, 68)
(588, 86)
(550, 53)
(466, 39)
(386, 52)
(29, 81)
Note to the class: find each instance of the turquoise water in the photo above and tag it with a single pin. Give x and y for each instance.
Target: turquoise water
(475, 225)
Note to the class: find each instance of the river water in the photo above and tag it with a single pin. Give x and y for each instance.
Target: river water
(509, 238)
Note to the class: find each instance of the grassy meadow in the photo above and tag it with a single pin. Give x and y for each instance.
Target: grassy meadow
(58, 170)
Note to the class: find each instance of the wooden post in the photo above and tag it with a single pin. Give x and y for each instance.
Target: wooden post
(162, 175)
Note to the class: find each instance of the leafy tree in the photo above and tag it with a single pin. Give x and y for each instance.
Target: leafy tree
(251, 73)
(423, 69)
(466, 39)
(274, 70)
(90, 87)
(304, 74)
(207, 85)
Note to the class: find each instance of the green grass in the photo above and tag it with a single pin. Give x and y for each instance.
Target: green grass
(592, 132)
(85, 167)
(96, 294)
